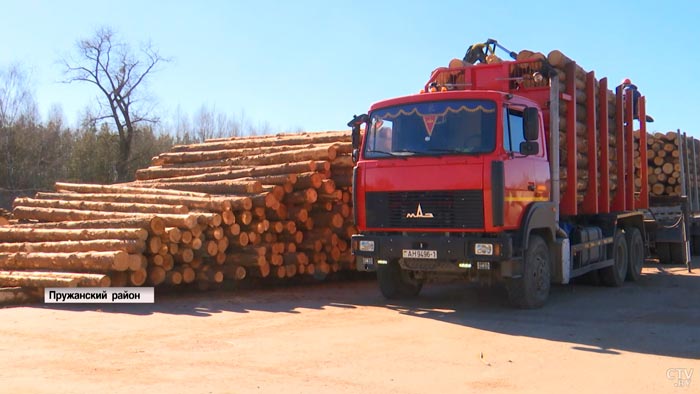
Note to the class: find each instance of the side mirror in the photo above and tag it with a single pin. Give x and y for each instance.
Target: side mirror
(355, 124)
(529, 148)
(356, 137)
(531, 124)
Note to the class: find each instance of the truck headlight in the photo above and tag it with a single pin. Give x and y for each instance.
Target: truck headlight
(367, 246)
(483, 249)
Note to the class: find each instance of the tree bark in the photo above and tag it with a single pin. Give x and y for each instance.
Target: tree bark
(279, 139)
(58, 215)
(99, 245)
(101, 206)
(211, 203)
(155, 225)
(10, 234)
(90, 261)
(122, 188)
(218, 187)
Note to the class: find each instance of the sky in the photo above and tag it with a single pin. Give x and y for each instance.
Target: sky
(311, 65)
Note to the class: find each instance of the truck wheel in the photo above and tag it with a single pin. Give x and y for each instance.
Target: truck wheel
(532, 289)
(395, 283)
(635, 251)
(614, 275)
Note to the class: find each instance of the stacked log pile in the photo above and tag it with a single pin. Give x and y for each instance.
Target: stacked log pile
(104, 235)
(267, 207)
(302, 222)
(664, 151)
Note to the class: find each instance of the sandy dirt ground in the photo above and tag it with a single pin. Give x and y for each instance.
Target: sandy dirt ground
(344, 338)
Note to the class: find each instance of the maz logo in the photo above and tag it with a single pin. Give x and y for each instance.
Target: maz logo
(420, 214)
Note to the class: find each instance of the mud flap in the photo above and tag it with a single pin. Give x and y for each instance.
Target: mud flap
(561, 263)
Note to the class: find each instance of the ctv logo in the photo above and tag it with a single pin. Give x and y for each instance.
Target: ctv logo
(680, 376)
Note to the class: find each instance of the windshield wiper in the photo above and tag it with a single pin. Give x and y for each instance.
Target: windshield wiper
(394, 154)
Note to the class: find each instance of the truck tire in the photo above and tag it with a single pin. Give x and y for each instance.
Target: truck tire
(614, 276)
(395, 283)
(635, 252)
(532, 289)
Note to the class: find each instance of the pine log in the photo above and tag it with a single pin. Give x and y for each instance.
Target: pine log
(242, 185)
(155, 225)
(188, 274)
(245, 259)
(99, 245)
(310, 269)
(101, 206)
(233, 230)
(284, 180)
(138, 278)
(35, 279)
(121, 188)
(156, 275)
(228, 217)
(235, 272)
(277, 191)
(59, 215)
(90, 261)
(309, 180)
(261, 271)
(309, 195)
(211, 203)
(11, 234)
(83, 279)
(330, 220)
(137, 262)
(169, 158)
(173, 278)
(336, 196)
(279, 139)
(667, 168)
(319, 152)
(242, 239)
(267, 200)
(327, 187)
(216, 173)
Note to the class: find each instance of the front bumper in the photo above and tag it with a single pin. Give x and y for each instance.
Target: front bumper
(455, 254)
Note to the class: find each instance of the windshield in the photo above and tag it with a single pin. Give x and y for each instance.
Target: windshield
(434, 128)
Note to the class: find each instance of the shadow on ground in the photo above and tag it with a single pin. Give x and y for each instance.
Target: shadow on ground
(658, 315)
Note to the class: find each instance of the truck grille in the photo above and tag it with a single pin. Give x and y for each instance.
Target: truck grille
(462, 209)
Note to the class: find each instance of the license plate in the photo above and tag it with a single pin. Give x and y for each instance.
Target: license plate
(419, 254)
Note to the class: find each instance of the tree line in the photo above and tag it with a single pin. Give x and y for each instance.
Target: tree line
(114, 139)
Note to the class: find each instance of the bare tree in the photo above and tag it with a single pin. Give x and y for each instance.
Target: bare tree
(118, 72)
(18, 111)
(16, 99)
(209, 123)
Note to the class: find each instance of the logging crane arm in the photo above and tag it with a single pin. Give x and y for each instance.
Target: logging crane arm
(479, 51)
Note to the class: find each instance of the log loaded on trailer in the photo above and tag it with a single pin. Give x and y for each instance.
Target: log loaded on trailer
(515, 171)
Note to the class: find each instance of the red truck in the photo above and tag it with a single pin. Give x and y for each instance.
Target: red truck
(463, 181)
